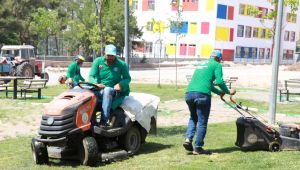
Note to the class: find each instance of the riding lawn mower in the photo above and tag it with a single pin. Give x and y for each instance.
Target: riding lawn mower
(69, 128)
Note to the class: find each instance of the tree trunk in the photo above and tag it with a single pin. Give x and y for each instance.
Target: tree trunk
(101, 29)
(46, 45)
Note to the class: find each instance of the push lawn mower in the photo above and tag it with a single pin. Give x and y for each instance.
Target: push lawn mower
(69, 130)
(255, 134)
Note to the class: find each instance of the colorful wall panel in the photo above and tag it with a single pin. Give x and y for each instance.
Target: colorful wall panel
(228, 54)
(189, 5)
(158, 26)
(230, 14)
(192, 50)
(183, 49)
(171, 49)
(222, 11)
(206, 50)
(193, 28)
(145, 5)
(183, 29)
(222, 33)
(204, 27)
(210, 5)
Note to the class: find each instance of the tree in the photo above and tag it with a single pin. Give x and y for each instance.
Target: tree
(272, 15)
(45, 23)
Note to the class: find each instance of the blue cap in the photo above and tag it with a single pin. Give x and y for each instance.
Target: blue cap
(216, 53)
(110, 50)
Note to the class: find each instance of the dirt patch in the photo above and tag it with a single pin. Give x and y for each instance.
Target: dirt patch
(293, 67)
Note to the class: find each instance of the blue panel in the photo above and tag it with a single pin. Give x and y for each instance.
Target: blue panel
(222, 11)
(184, 28)
(250, 53)
(242, 52)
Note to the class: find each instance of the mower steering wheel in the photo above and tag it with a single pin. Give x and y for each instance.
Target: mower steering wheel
(89, 86)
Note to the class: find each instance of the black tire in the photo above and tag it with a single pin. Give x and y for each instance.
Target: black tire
(25, 70)
(131, 140)
(45, 75)
(39, 152)
(88, 151)
(274, 146)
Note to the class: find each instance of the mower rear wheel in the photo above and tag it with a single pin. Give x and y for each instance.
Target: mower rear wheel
(274, 146)
(39, 152)
(131, 141)
(88, 151)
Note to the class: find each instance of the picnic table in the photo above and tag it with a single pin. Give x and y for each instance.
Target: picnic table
(15, 82)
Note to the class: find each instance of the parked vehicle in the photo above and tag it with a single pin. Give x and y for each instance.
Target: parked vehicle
(20, 60)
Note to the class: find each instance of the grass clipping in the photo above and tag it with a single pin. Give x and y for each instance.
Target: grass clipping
(293, 67)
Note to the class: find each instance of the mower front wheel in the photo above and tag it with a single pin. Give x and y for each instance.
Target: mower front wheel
(88, 151)
(39, 152)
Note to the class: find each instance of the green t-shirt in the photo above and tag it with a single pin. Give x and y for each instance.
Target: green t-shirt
(74, 72)
(204, 75)
(111, 75)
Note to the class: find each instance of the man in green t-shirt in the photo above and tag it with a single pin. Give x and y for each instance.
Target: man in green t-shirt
(112, 75)
(73, 73)
(198, 99)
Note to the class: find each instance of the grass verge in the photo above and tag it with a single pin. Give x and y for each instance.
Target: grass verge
(165, 151)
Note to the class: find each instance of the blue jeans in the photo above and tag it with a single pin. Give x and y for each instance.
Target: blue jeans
(199, 105)
(105, 98)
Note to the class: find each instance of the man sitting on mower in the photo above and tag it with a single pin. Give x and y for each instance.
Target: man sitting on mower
(112, 76)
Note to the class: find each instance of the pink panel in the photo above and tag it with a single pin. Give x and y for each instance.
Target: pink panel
(182, 49)
(188, 5)
(192, 50)
(145, 5)
(204, 27)
(231, 34)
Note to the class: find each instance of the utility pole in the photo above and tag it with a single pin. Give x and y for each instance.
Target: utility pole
(275, 64)
(126, 15)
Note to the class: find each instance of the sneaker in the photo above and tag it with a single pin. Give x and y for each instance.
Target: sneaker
(201, 151)
(188, 146)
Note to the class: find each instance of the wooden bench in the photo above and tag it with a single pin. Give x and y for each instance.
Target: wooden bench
(32, 86)
(291, 86)
(230, 80)
(4, 87)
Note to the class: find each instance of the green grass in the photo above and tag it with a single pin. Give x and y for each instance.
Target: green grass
(292, 108)
(165, 151)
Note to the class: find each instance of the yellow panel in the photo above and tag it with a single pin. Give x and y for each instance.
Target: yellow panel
(171, 49)
(193, 28)
(222, 34)
(206, 50)
(210, 5)
(130, 2)
(158, 26)
(246, 9)
(259, 33)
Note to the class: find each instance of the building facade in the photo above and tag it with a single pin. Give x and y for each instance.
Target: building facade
(229, 26)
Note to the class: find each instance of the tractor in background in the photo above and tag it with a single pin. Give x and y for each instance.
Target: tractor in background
(20, 60)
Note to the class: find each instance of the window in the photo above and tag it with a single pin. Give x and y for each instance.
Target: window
(263, 33)
(249, 10)
(149, 26)
(291, 17)
(292, 36)
(148, 47)
(192, 50)
(246, 50)
(242, 9)
(151, 5)
(286, 36)
(238, 52)
(135, 4)
(264, 12)
(261, 53)
(288, 54)
(255, 32)
(267, 53)
(248, 32)
(254, 53)
(240, 31)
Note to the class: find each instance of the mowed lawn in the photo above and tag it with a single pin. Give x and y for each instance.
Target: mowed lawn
(165, 151)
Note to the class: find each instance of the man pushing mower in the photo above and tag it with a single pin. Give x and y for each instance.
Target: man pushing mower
(198, 99)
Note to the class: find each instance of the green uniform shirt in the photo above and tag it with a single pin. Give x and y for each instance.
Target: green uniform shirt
(74, 72)
(205, 74)
(111, 75)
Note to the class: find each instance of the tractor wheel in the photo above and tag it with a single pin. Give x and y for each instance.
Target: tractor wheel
(131, 141)
(45, 76)
(88, 151)
(39, 152)
(25, 70)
